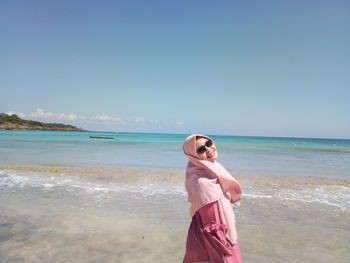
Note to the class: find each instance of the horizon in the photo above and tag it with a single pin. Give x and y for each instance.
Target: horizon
(261, 69)
(187, 134)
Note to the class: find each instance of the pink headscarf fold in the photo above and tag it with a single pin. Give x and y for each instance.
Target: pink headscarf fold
(206, 181)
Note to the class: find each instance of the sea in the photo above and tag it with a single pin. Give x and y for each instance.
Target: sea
(67, 197)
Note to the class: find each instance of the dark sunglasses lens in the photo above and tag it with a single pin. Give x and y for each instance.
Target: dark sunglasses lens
(209, 143)
(201, 149)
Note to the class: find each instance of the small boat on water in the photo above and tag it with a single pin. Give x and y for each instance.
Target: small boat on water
(101, 137)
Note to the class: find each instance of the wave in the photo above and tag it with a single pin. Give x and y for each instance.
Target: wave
(315, 191)
(336, 196)
(64, 182)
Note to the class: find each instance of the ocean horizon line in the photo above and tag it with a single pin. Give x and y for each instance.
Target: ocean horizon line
(227, 135)
(173, 133)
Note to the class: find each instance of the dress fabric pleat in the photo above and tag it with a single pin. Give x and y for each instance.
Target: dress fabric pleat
(208, 239)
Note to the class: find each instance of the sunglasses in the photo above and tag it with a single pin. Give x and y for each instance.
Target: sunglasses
(202, 148)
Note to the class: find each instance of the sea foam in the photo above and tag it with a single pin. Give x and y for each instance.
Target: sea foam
(331, 195)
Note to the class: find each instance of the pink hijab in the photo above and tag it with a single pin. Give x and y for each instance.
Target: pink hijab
(206, 181)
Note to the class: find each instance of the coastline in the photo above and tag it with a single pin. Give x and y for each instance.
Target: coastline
(137, 173)
(24, 128)
(334, 193)
(13, 122)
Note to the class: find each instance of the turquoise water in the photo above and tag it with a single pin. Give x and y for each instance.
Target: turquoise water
(123, 200)
(325, 158)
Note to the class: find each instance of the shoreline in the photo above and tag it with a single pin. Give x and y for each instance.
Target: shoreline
(109, 182)
(175, 176)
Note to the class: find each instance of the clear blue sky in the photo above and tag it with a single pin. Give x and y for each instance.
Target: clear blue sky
(265, 68)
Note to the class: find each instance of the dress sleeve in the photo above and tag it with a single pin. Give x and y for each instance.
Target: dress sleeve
(214, 230)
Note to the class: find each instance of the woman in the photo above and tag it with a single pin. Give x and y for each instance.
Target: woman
(212, 235)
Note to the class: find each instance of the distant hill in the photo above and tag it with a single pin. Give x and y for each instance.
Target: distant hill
(13, 122)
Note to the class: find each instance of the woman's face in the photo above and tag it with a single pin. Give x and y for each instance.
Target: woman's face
(210, 153)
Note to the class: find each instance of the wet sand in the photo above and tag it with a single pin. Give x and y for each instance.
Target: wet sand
(64, 214)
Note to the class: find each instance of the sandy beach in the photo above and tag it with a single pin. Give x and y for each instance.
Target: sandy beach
(55, 214)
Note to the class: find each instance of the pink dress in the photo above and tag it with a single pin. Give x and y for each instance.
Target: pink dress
(207, 239)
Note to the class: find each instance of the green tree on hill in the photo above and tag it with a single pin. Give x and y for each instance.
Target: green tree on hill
(10, 118)
(6, 119)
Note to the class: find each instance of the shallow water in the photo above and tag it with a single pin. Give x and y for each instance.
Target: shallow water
(327, 158)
